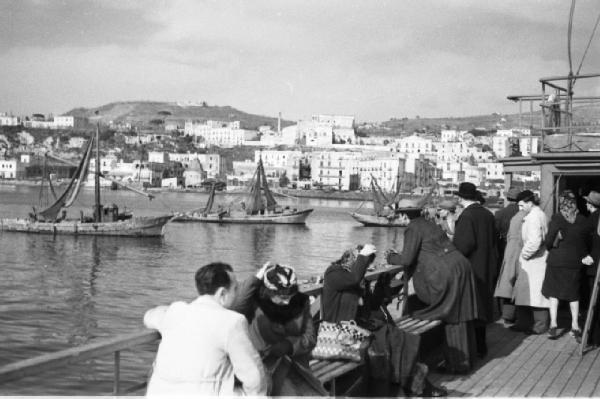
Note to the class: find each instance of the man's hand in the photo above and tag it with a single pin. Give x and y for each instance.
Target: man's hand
(261, 272)
(588, 261)
(368, 250)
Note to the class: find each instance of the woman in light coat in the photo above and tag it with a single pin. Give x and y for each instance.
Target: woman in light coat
(532, 268)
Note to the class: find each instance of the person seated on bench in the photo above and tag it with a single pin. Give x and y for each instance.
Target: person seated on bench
(444, 281)
(345, 298)
(280, 324)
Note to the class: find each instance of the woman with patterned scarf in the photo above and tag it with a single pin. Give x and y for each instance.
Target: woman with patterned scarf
(567, 246)
(280, 323)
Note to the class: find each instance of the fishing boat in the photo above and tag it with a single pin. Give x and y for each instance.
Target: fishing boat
(394, 212)
(105, 221)
(254, 209)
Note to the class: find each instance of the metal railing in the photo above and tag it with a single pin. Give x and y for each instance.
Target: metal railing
(116, 345)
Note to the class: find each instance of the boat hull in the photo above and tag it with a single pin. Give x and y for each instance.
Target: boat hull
(298, 217)
(382, 221)
(141, 226)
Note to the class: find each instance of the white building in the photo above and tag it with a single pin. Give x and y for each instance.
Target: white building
(528, 145)
(338, 170)
(493, 170)
(415, 145)
(341, 121)
(8, 120)
(8, 168)
(452, 135)
(158, 157)
(501, 146)
(316, 134)
(25, 138)
(193, 176)
(211, 163)
(288, 161)
(222, 134)
(387, 171)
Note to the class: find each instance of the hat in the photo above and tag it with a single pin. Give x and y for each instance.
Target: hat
(280, 280)
(512, 193)
(526, 196)
(593, 198)
(467, 191)
(447, 204)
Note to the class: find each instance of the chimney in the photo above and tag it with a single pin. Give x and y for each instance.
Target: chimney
(279, 124)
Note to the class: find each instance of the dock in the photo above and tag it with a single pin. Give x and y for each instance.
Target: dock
(520, 365)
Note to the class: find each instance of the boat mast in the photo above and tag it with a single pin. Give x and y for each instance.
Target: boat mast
(97, 206)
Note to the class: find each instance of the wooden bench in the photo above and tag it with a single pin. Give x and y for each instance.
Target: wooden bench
(328, 371)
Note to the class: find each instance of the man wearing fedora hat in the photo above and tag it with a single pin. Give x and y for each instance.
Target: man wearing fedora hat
(503, 218)
(593, 206)
(475, 236)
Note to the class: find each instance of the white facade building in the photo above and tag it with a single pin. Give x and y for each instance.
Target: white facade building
(528, 145)
(415, 145)
(341, 121)
(8, 168)
(8, 120)
(501, 146)
(211, 163)
(336, 169)
(158, 157)
(387, 171)
(222, 134)
(493, 170)
(76, 142)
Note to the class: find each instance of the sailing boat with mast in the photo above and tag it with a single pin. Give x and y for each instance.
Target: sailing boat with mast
(106, 221)
(390, 212)
(254, 208)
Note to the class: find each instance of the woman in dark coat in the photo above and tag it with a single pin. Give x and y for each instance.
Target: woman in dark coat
(567, 246)
(280, 322)
(345, 297)
(443, 280)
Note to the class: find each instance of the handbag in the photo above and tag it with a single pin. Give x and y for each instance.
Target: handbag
(340, 341)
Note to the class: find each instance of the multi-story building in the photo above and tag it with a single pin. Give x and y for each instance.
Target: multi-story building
(194, 175)
(501, 146)
(212, 164)
(8, 168)
(415, 145)
(493, 170)
(339, 170)
(222, 134)
(68, 121)
(76, 142)
(9, 120)
(529, 145)
(289, 161)
(387, 171)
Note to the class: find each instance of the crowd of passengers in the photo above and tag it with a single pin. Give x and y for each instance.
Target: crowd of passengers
(255, 337)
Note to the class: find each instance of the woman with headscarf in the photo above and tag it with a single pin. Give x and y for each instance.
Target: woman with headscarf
(444, 280)
(532, 267)
(280, 322)
(346, 297)
(567, 249)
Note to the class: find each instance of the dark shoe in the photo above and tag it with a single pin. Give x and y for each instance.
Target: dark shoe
(552, 333)
(431, 391)
(516, 328)
(577, 335)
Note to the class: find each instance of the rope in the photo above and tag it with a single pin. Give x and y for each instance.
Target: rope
(569, 36)
(588, 45)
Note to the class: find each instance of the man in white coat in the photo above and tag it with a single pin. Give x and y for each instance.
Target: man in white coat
(204, 344)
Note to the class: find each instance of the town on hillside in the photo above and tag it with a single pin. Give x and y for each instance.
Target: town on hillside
(325, 152)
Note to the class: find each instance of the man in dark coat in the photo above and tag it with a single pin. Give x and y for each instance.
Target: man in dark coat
(503, 218)
(475, 237)
(593, 205)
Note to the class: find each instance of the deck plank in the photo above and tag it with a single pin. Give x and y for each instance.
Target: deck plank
(483, 367)
(500, 367)
(560, 381)
(550, 374)
(537, 372)
(581, 371)
(522, 374)
(505, 375)
(591, 379)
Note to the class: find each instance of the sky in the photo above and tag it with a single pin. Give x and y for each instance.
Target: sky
(373, 59)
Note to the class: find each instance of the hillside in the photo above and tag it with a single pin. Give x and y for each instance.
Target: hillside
(142, 112)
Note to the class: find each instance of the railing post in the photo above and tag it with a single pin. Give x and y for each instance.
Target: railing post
(117, 372)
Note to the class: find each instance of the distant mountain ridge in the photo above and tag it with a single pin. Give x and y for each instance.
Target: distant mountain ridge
(142, 112)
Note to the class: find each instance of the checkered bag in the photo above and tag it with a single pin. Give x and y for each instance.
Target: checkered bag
(344, 340)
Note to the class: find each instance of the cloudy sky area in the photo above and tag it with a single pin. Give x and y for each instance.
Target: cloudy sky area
(373, 59)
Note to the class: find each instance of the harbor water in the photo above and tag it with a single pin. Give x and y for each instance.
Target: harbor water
(58, 292)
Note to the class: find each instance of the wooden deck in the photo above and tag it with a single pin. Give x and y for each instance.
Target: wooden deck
(528, 365)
